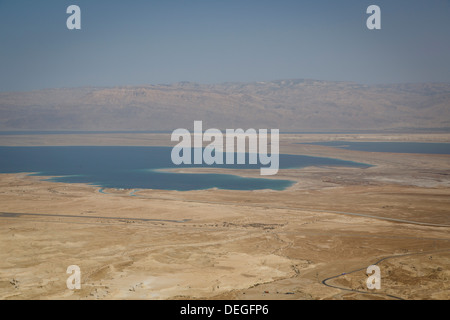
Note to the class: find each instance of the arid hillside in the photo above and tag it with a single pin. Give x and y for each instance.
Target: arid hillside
(289, 105)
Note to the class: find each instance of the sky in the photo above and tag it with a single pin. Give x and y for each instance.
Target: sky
(140, 42)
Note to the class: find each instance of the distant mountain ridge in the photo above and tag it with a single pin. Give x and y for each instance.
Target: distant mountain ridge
(289, 105)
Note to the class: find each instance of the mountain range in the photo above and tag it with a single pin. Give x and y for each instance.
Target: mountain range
(297, 105)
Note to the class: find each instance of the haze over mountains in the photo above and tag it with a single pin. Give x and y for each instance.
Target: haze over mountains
(288, 105)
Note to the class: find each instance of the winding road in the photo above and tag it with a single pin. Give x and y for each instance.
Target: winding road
(324, 281)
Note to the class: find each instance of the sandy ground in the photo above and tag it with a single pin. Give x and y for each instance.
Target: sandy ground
(312, 241)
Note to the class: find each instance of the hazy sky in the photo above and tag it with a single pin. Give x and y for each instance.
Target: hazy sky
(212, 41)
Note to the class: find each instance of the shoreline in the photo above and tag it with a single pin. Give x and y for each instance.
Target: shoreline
(163, 139)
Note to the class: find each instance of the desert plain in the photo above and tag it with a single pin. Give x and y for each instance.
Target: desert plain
(313, 240)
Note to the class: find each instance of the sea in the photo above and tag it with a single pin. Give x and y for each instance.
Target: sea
(129, 167)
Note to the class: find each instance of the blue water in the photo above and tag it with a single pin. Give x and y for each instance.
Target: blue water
(135, 168)
(396, 147)
(22, 133)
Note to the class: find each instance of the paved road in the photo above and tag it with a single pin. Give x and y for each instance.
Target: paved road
(133, 193)
(16, 215)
